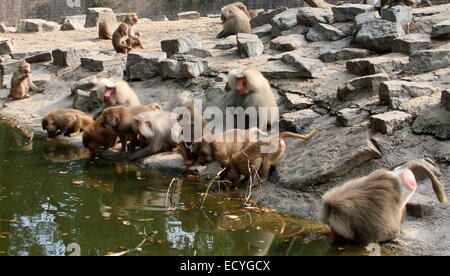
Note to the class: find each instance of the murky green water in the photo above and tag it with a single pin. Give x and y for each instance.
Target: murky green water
(54, 201)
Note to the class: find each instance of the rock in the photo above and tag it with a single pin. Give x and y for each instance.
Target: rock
(39, 57)
(96, 15)
(49, 26)
(344, 54)
(9, 67)
(67, 56)
(351, 116)
(6, 47)
(288, 43)
(399, 14)
(278, 70)
(284, 21)
(41, 79)
(308, 67)
(249, 45)
(159, 18)
(188, 15)
(81, 101)
(143, 65)
(263, 30)
(265, 18)
(80, 19)
(361, 87)
(181, 45)
(95, 99)
(295, 101)
(31, 25)
(221, 77)
(445, 98)
(324, 32)
(348, 12)
(395, 92)
(85, 84)
(71, 25)
(170, 162)
(298, 121)
(99, 62)
(229, 43)
(120, 17)
(375, 3)
(411, 43)
(310, 16)
(216, 15)
(390, 121)
(350, 148)
(420, 206)
(429, 60)
(2, 28)
(378, 35)
(5, 58)
(299, 29)
(434, 121)
(382, 64)
(363, 18)
(180, 67)
(200, 53)
(441, 30)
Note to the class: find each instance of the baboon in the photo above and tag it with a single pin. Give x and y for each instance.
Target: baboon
(22, 82)
(252, 14)
(104, 30)
(117, 92)
(187, 148)
(131, 20)
(66, 122)
(155, 129)
(226, 11)
(370, 209)
(121, 119)
(96, 136)
(251, 89)
(236, 22)
(121, 40)
(259, 157)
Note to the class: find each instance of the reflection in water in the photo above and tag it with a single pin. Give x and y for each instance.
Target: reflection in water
(22, 139)
(51, 202)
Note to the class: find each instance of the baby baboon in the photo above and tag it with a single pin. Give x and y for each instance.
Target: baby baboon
(236, 22)
(120, 39)
(225, 12)
(259, 157)
(131, 20)
(121, 119)
(155, 129)
(96, 136)
(188, 141)
(104, 30)
(251, 89)
(67, 122)
(370, 209)
(22, 82)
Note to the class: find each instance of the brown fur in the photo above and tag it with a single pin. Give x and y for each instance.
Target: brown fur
(250, 160)
(236, 22)
(370, 209)
(104, 30)
(131, 20)
(252, 14)
(22, 82)
(120, 39)
(67, 122)
(96, 136)
(226, 11)
(187, 149)
(121, 119)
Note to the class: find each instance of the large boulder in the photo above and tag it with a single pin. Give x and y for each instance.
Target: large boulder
(96, 15)
(344, 54)
(284, 21)
(324, 32)
(307, 67)
(311, 16)
(399, 14)
(67, 56)
(100, 62)
(381, 64)
(411, 43)
(441, 30)
(71, 25)
(445, 98)
(279, 70)
(36, 25)
(265, 18)
(429, 60)
(182, 67)
(6, 47)
(143, 65)
(361, 87)
(181, 45)
(288, 43)
(395, 92)
(389, 122)
(263, 30)
(249, 45)
(348, 12)
(434, 121)
(229, 43)
(378, 35)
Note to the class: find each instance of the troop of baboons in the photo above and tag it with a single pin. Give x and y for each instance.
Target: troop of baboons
(364, 210)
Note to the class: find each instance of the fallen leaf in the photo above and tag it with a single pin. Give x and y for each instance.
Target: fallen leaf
(87, 217)
(65, 234)
(78, 182)
(233, 217)
(4, 233)
(3, 237)
(64, 172)
(191, 176)
(121, 247)
(2, 252)
(140, 178)
(145, 220)
(172, 208)
(126, 223)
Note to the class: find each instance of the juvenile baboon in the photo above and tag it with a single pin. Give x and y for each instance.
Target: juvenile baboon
(66, 122)
(225, 12)
(131, 20)
(187, 143)
(251, 89)
(259, 157)
(121, 119)
(370, 209)
(104, 30)
(22, 82)
(236, 22)
(120, 39)
(155, 129)
(96, 136)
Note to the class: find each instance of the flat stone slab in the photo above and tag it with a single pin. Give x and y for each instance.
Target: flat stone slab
(298, 121)
(351, 116)
(265, 18)
(263, 30)
(307, 67)
(445, 98)
(288, 43)
(188, 15)
(389, 122)
(100, 62)
(429, 60)
(279, 70)
(344, 54)
(36, 25)
(434, 121)
(8, 67)
(67, 56)
(325, 32)
(348, 12)
(441, 30)
(382, 64)
(33, 57)
(295, 101)
(181, 45)
(396, 92)
(284, 21)
(143, 65)
(399, 14)
(183, 67)
(171, 162)
(361, 87)
(411, 43)
(229, 43)
(378, 35)
(310, 16)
